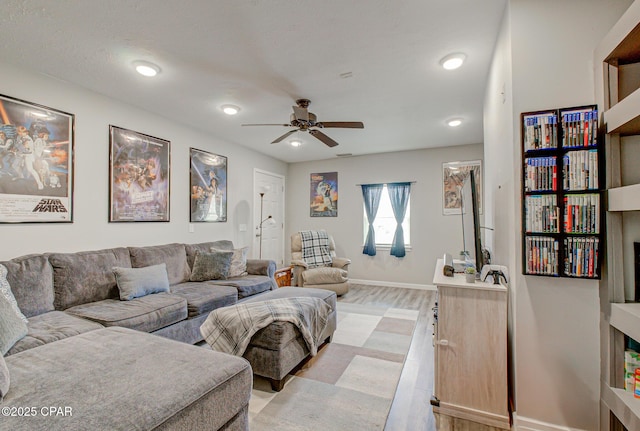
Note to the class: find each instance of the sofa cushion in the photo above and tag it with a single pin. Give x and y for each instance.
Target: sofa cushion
(238, 267)
(52, 326)
(5, 380)
(79, 278)
(248, 285)
(105, 374)
(213, 265)
(5, 290)
(206, 246)
(173, 255)
(324, 275)
(146, 314)
(138, 282)
(31, 280)
(202, 297)
(12, 327)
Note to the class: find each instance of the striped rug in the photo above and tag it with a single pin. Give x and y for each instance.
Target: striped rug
(350, 384)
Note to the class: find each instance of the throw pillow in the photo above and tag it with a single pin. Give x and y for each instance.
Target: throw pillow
(4, 378)
(211, 266)
(5, 290)
(238, 266)
(13, 328)
(137, 282)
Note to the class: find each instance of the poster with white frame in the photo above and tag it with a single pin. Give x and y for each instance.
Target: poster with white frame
(454, 175)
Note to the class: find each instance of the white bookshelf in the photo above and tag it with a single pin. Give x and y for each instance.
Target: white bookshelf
(624, 117)
(624, 405)
(626, 198)
(626, 319)
(617, 71)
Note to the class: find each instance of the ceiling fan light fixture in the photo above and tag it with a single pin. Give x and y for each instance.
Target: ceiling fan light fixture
(453, 61)
(454, 122)
(146, 68)
(230, 109)
(295, 143)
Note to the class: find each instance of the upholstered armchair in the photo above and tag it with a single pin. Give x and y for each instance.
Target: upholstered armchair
(332, 274)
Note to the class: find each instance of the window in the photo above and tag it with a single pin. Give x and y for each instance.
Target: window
(385, 223)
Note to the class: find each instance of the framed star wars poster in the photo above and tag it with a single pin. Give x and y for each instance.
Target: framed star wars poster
(36, 163)
(208, 186)
(138, 177)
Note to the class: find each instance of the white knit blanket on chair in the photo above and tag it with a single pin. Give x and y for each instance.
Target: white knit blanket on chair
(315, 248)
(229, 329)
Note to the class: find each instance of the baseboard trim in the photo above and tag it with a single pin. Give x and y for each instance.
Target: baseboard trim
(528, 424)
(393, 284)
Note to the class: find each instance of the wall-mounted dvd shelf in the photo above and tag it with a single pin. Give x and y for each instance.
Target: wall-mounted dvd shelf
(562, 189)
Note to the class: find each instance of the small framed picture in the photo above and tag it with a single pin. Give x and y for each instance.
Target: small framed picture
(36, 163)
(208, 186)
(139, 167)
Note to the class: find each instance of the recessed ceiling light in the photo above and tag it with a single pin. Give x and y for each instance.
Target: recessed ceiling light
(230, 109)
(295, 143)
(145, 68)
(454, 122)
(453, 61)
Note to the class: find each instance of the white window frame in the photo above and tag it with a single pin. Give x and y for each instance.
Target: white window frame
(385, 209)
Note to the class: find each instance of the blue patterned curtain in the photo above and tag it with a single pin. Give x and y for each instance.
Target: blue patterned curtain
(399, 197)
(371, 194)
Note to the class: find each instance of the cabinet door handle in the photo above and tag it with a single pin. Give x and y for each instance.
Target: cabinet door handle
(443, 342)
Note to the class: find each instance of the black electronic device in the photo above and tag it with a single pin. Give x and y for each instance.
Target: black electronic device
(470, 209)
(495, 275)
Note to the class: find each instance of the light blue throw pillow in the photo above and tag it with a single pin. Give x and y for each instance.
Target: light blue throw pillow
(137, 282)
(5, 290)
(12, 328)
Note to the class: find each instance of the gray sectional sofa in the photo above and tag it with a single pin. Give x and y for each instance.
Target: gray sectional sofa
(90, 351)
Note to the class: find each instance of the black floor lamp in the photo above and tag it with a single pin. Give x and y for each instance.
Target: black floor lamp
(268, 220)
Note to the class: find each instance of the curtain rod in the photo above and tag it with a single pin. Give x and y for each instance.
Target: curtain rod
(388, 182)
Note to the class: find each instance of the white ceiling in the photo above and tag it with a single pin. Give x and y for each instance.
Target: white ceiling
(262, 55)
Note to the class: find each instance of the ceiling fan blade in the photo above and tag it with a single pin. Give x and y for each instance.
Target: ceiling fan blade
(300, 113)
(324, 138)
(284, 136)
(343, 124)
(285, 125)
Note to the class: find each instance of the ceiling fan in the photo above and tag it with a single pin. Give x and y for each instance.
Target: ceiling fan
(307, 121)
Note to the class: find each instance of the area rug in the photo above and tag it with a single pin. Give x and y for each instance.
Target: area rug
(349, 384)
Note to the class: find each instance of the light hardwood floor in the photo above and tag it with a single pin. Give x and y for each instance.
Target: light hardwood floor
(411, 410)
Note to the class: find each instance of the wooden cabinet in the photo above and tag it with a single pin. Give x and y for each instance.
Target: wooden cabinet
(470, 347)
(617, 72)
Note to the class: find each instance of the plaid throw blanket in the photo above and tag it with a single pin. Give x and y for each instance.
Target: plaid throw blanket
(229, 329)
(315, 248)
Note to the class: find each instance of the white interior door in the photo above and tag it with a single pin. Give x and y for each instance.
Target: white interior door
(269, 241)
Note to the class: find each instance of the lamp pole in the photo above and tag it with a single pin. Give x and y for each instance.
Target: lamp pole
(261, 221)
(260, 226)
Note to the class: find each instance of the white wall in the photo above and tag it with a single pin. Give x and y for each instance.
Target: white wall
(90, 229)
(499, 174)
(556, 320)
(432, 233)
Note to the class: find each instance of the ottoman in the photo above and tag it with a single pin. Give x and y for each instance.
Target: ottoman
(278, 348)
